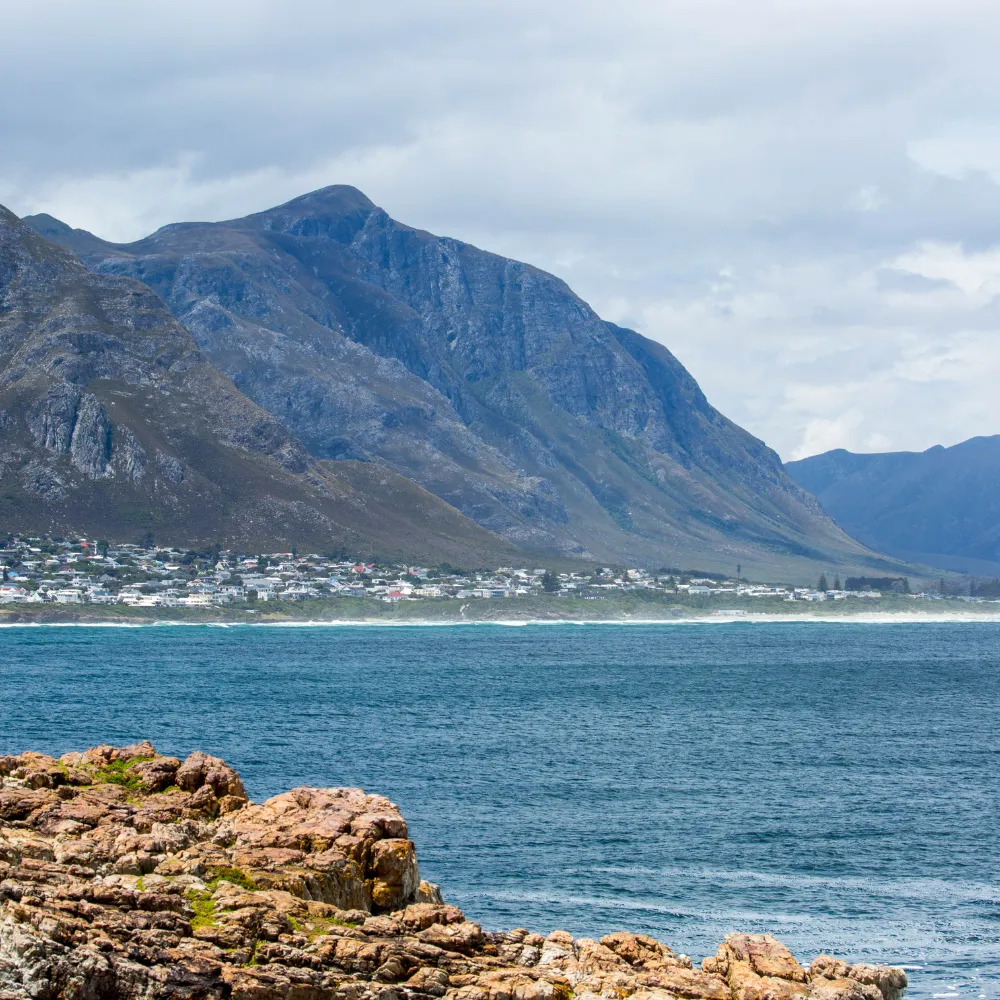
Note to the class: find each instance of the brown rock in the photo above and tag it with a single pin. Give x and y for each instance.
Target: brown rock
(429, 981)
(764, 955)
(200, 770)
(824, 988)
(641, 951)
(828, 967)
(429, 892)
(418, 916)
(691, 983)
(131, 875)
(396, 879)
(155, 775)
(465, 937)
(889, 980)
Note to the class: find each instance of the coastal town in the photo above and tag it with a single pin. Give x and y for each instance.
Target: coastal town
(92, 571)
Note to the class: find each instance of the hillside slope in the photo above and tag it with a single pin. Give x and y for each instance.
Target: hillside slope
(112, 422)
(940, 506)
(485, 380)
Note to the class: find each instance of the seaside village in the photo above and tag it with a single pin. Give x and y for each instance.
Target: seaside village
(89, 571)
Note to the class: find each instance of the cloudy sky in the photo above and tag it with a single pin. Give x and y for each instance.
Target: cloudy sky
(801, 198)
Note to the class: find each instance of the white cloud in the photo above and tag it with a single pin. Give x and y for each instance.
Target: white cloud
(801, 200)
(825, 433)
(960, 151)
(976, 275)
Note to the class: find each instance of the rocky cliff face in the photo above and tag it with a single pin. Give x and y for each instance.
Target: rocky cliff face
(113, 422)
(126, 875)
(484, 379)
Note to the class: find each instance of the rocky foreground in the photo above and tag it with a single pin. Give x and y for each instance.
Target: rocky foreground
(125, 874)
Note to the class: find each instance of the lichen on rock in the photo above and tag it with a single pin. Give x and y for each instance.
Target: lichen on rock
(129, 875)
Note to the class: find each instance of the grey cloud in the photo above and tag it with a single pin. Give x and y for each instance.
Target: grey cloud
(735, 180)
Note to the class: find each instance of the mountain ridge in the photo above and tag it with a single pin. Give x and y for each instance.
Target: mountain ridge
(938, 506)
(486, 380)
(113, 421)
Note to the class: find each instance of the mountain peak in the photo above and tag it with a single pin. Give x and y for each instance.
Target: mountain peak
(334, 201)
(47, 225)
(336, 212)
(57, 231)
(341, 198)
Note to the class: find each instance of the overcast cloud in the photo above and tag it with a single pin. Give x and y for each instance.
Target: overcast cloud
(800, 199)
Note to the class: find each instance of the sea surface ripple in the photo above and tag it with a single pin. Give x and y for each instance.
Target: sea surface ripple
(836, 784)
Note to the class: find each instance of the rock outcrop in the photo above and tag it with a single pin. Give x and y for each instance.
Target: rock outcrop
(125, 874)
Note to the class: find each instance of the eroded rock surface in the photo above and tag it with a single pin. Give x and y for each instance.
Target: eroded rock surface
(125, 874)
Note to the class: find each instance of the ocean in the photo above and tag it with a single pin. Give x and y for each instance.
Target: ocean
(836, 784)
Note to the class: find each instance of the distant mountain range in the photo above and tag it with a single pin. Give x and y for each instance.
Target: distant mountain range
(485, 380)
(940, 506)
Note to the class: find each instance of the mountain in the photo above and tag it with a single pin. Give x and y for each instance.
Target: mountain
(940, 506)
(113, 422)
(483, 379)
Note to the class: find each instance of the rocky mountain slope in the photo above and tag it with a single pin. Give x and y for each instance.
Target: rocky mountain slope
(112, 422)
(485, 380)
(940, 506)
(127, 875)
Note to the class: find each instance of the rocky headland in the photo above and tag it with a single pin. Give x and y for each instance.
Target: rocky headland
(125, 874)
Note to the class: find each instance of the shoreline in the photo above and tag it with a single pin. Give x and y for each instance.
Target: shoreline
(762, 618)
(259, 906)
(635, 608)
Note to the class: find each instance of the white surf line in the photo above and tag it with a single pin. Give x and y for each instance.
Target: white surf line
(886, 618)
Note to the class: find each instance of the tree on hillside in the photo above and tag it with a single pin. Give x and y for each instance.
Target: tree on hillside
(836, 582)
(550, 582)
(822, 587)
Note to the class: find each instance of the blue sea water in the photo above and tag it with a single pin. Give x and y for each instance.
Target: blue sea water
(836, 784)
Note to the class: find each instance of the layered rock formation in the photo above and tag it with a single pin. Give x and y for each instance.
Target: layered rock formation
(126, 875)
(114, 423)
(483, 379)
